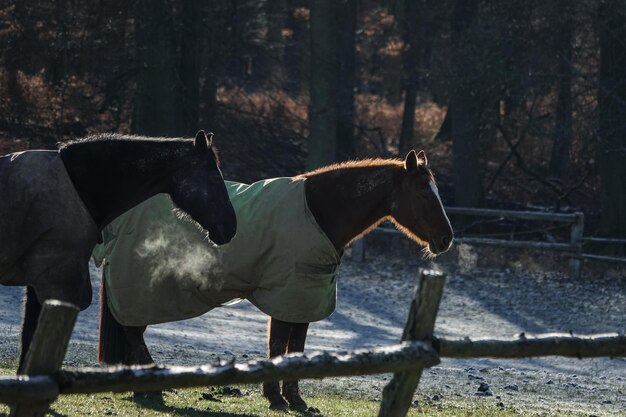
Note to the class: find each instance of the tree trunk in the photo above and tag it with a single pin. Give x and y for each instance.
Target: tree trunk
(57, 67)
(346, 58)
(612, 114)
(559, 159)
(269, 62)
(295, 57)
(445, 129)
(323, 88)
(14, 62)
(211, 51)
(410, 60)
(465, 111)
(209, 93)
(190, 65)
(158, 106)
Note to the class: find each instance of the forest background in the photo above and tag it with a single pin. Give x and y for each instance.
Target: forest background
(518, 104)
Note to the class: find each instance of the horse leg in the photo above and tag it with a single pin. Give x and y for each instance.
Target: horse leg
(136, 350)
(137, 353)
(112, 343)
(32, 308)
(277, 340)
(291, 391)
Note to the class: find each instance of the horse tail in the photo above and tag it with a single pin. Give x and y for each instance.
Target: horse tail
(112, 338)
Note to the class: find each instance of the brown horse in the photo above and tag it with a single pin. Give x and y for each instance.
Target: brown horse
(347, 200)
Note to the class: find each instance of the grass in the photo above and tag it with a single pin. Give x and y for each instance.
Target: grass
(190, 403)
(214, 402)
(246, 401)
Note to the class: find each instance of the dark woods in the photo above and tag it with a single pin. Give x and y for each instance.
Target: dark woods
(519, 104)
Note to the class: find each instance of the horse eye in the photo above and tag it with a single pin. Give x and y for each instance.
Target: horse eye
(426, 192)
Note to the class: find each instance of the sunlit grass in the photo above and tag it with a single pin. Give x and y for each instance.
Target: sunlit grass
(190, 402)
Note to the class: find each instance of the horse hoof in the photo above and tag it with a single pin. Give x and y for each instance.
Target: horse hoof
(271, 391)
(279, 405)
(297, 404)
(277, 402)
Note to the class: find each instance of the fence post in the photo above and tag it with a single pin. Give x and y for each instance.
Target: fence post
(47, 350)
(420, 323)
(358, 249)
(576, 240)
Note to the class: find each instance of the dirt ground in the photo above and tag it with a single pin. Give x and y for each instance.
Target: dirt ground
(487, 294)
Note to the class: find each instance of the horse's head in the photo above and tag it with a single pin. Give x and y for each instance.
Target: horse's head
(417, 208)
(198, 189)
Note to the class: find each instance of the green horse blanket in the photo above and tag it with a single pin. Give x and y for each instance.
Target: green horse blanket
(161, 268)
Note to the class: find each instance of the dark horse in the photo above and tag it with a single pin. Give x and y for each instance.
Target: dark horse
(54, 204)
(346, 200)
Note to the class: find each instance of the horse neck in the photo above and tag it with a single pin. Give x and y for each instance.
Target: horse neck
(349, 201)
(113, 176)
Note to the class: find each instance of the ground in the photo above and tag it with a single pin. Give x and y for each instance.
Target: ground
(479, 300)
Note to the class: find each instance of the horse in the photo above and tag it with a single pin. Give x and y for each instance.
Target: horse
(54, 205)
(344, 201)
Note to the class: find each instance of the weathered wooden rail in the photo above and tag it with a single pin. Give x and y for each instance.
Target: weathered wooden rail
(528, 346)
(316, 365)
(31, 394)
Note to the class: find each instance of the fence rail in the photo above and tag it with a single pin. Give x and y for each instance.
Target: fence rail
(517, 244)
(30, 395)
(526, 346)
(290, 367)
(512, 214)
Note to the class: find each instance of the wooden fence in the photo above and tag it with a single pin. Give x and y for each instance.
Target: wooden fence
(32, 393)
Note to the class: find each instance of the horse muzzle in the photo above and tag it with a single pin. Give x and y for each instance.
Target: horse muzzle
(224, 231)
(440, 244)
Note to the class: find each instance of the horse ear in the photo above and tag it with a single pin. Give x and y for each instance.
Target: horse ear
(209, 137)
(421, 157)
(410, 162)
(201, 141)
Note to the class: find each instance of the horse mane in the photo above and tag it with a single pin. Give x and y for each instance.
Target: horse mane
(105, 138)
(359, 163)
(117, 137)
(364, 163)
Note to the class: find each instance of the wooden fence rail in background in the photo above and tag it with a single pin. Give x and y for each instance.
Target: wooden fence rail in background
(604, 241)
(515, 214)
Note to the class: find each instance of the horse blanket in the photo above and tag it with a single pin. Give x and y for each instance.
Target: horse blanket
(161, 268)
(46, 232)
